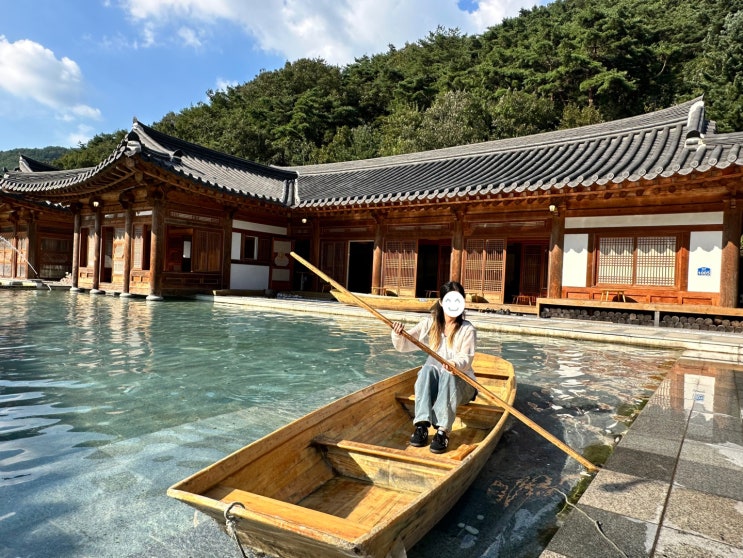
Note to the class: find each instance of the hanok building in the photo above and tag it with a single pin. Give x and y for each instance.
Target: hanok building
(645, 206)
(35, 235)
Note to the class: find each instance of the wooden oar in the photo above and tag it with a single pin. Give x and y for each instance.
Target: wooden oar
(474, 383)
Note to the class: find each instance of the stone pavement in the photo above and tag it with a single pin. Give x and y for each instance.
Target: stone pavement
(674, 484)
(673, 487)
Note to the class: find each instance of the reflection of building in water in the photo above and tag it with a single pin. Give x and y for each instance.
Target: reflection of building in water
(706, 390)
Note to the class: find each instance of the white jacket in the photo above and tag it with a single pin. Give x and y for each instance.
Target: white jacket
(460, 354)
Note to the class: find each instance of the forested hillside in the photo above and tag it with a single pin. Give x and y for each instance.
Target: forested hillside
(570, 63)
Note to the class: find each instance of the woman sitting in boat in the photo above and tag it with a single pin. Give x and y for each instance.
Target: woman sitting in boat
(438, 392)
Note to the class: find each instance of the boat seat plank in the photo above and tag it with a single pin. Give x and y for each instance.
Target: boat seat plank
(290, 514)
(472, 405)
(474, 414)
(386, 452)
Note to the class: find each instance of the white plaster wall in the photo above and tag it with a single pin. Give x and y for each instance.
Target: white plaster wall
(575, 260)
(236, 246)
(244, 276)
(259, 227)
(637, 221)
(250, 277)
(705, 253)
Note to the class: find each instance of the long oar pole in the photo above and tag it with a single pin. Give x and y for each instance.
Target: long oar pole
(474, 383)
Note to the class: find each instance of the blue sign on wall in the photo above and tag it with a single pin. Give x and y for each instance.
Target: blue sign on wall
(704, 272)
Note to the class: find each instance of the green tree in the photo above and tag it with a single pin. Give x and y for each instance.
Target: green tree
(455, 118)
(398, 131)
(517, 113)
(91, 153)
(720, 73)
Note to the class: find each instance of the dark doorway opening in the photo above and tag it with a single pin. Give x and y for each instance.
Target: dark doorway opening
(513, 273)
(107, 254)
(360, 262)
(303, 279)
(434, 266)
(526, 271)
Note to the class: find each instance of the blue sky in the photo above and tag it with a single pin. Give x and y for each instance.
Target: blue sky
(76, 68)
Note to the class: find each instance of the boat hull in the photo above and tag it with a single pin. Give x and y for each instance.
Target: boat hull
(344, 480)
(380, 302)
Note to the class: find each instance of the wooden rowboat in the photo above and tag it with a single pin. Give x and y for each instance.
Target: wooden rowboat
(344, 480)
(381, 302)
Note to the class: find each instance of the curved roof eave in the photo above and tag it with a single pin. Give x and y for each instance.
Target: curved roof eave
(675, 141)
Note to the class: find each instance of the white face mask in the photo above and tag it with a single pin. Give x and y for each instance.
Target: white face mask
(453, 304)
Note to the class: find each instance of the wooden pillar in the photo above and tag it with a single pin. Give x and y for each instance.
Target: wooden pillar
(376, 284)
(32, 249)
(315, 249)
(227, 248)
(77, 219)
(557, 247)
(128, 234)
(96, 206)
(457, 248)
(730, 264)
(157, 247)
(14, 244)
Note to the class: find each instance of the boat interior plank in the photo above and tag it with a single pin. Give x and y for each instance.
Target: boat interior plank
(289, 514)
(359, 502)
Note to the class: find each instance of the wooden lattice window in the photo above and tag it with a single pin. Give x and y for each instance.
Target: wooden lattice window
(616, 257)
(484, 266)
(6, 255)
(55, 257)
(118, 251)
(656, 261)
(22, 260)
(644, 260)
(398, 266)
(333, 260)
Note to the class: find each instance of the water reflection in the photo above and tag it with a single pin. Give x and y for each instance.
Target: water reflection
(105, 402)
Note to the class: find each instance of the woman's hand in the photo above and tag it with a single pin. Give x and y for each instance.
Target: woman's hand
(398, 328)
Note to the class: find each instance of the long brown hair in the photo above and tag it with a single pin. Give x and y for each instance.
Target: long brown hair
(439, 319)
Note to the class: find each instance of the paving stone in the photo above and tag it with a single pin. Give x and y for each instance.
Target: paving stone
(593, 533)
(675, 544)
(642, 464)
(627, 495)
(706, 515)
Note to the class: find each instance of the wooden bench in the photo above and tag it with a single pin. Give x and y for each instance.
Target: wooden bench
(610, 294)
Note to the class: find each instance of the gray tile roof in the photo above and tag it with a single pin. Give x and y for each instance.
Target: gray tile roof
(208, 168)
(27, 164)
(674, 141)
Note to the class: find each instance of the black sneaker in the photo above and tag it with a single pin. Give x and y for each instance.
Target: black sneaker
(420, 436)
(440, 442)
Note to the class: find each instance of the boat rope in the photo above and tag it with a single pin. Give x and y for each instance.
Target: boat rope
(596, 523)
(231, 525)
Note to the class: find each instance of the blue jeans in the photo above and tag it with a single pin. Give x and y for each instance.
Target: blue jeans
(438, 393)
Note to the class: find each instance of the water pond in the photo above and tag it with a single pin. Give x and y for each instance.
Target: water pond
(105, 402)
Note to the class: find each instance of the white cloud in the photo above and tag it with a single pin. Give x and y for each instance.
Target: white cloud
(189, 36)
(81, 135)
(31, 72)
(223, 84)
(335, 30)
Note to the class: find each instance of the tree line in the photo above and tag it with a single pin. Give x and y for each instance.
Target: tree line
(566, 64)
